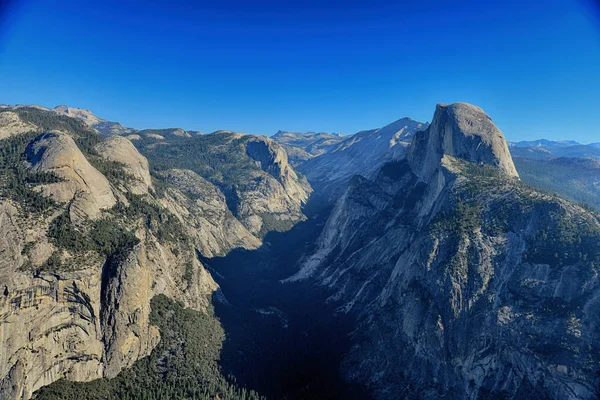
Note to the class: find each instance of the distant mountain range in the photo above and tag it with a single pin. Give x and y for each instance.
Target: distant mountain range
(544, 149)
(333, 164)
(563, 167)
(329, 160)
(567, 168)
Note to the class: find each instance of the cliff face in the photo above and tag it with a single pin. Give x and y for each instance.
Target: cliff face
(86, 323)
(260, 188)
(464, 282)
(80, 183)
(463, 131)
(77, 274)
(202, 209)
(278, 196)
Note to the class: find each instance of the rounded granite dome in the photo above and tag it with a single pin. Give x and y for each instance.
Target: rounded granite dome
(463, 131)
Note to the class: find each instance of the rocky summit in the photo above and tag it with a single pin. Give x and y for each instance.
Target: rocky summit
(463, 131)
(409, 261)
(456, 273)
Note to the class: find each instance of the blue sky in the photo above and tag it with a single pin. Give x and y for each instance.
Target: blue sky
(336, 66)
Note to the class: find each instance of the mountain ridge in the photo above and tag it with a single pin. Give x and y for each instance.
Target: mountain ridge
(443, 263)
(361, 153)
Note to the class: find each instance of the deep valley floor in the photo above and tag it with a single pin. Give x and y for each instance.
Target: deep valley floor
(281, 340)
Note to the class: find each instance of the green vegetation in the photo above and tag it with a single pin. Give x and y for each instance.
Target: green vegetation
(272, 223)
(565, 239)
(163, 224)
(48, 120)
(108, 236)
(161, 132)
(103, 236)
(16, 182)
(184, 365)
(113, 171)
(189, 273)
(218, 157)
(53, 263)
(484, 176)
(160, 185)
(85, 138)
(463, 218)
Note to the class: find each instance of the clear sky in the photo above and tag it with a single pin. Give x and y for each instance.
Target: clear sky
(335, 66)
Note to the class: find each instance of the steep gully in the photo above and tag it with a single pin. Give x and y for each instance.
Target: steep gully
(282, 339)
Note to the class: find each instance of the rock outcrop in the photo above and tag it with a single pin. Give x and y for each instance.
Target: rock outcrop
(100, 125)
(463, 131)
(463, 281)
(12, 125)
(273, 160)
(50, 326)
(76, 305)
(129, 283)
(202, 208)
(88, 323)
(271, 201)
(89, 190)
(260, 187)
(121, 150)
(85, 116)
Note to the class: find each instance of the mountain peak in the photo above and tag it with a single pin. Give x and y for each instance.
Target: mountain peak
(463, 131)
(86, 116)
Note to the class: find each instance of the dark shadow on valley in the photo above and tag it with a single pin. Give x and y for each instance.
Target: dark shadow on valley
(282, 339)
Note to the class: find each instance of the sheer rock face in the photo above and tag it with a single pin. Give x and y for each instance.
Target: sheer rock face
(463, 131)
(202, 208)
(121, 150)
(130, 283)
(447, 267)
(89, 323)
(278, 194)
(89, 190)
(273, 160)
(49, 323)
(92, 319)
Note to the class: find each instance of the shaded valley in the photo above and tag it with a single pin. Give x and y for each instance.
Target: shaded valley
(282, 339)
